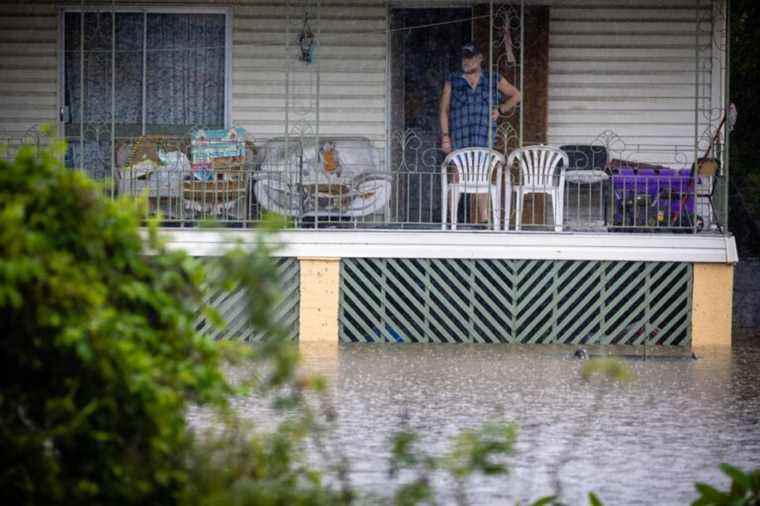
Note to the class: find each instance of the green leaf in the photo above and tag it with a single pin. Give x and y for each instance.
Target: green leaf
(593, 500)
(544, 501)
(739, 478)
(711, 494)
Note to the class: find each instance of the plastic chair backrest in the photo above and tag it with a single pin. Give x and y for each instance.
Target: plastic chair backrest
(539, 164)
(474, 165)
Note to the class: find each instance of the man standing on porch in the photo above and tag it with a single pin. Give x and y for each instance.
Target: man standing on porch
(465, 114)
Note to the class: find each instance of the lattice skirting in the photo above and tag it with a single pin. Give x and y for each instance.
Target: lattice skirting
(232, 307)
(515, 301)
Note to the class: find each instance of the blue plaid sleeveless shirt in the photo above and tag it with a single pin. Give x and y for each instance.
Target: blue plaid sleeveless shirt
(469, 114)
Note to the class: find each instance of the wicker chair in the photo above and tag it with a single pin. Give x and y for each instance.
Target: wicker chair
(171, 187)
(225, 195)
(140, 171)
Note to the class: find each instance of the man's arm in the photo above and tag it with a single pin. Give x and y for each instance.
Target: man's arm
(443, 115)
(507, 90)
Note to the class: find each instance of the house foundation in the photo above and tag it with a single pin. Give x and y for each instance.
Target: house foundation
(527, 288)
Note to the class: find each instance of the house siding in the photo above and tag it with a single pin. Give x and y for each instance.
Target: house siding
(351, 66)
(616, 67)
(351, 63)
(626, 73)
(28, 67)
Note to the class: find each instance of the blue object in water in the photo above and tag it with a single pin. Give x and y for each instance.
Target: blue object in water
(391, 335)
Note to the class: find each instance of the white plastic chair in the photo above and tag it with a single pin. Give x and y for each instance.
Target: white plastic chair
(475, 168)
(538, 174)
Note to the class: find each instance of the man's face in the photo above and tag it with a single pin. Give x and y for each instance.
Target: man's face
(472, 64)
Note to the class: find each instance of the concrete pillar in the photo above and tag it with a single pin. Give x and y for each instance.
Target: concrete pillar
(320, 295)
(712, 304)
(318, 323)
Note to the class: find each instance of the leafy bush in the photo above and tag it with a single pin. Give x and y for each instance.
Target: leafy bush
(99, 358)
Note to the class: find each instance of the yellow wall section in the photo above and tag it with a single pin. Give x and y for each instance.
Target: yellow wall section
(320, 295)
(712, 305)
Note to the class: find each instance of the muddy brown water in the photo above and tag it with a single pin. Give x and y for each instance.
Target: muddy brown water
(643, 442)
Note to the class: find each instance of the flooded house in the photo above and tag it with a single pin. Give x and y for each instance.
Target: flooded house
(594, 210)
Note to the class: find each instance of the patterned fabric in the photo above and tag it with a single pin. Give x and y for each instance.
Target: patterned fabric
(469, 114)
(209, 144)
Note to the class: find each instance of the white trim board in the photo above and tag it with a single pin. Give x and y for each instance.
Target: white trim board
(484, 245)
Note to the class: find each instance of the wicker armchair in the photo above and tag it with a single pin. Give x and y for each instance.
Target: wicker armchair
(141, 171)
(223, 191)
(159, 167)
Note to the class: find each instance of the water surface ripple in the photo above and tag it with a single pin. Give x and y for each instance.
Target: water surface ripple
(645, 442)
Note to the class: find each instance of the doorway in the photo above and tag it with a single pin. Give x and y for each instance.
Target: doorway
(425, 48)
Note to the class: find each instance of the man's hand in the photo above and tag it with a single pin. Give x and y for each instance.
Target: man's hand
(446, 144)
(495, 114)
(510, 91)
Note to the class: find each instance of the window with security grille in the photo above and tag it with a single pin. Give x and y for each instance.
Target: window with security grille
(132, 73)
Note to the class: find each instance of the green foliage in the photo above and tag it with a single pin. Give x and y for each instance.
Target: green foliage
(246, 468)
(593, 500)
(476, 451)
(101, 360)
(100, 357)
(744, 489)
(609, 368)
(472, 451)
(545, 501)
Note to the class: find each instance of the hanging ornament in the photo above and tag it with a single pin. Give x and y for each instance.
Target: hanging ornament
(306, 41)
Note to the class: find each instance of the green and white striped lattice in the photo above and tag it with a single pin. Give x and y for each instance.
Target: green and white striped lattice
(231, 305)
(515, 301)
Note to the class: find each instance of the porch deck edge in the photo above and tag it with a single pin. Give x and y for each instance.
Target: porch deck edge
(483, 245)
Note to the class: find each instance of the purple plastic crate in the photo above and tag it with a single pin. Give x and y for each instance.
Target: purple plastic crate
(653, 197)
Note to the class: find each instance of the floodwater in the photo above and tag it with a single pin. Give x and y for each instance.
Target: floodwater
(643, 442)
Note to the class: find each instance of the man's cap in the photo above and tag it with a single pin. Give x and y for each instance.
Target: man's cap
(470, 50)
